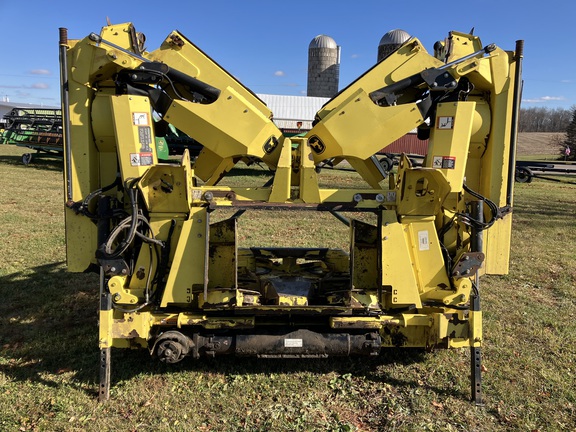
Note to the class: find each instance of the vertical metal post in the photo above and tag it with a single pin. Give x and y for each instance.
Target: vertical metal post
(105, 353)
(105, 368)
(206, 254)
(65, 101)
(517, 97)
(476, 361)
(476, 245)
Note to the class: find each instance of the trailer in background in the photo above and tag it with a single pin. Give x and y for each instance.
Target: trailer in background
(38, 129)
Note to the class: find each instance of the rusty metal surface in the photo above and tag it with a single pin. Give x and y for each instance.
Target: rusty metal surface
(468, 264)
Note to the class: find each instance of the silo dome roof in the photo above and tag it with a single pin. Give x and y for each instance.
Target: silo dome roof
(323, 41)
(394, 37)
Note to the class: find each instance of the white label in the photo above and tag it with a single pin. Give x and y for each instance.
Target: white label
(423, 242)
(437, 162)
(293, 343)
(135, 159)
(445, 122)
(140, 118)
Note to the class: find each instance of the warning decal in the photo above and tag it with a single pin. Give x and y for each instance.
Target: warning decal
(145, 138)
(146, 159)
(141, 159)
(140, 119)
(445, 122)
(135, 159)
(444, 162)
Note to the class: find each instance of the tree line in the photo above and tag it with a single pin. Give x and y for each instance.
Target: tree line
(539, 119)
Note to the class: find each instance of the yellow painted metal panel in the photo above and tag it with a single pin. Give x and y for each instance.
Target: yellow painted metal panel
(495, 162)
(134, 134)
(81, 236)
(450, 140)
(282, 179)
(497, 246)
(398, 268)
(426, 253)
(231, 126)
(475, 328)
(105, 319)
(340, 135)
(421, 191)
(187, 269)
(165, 188)
(309, 192)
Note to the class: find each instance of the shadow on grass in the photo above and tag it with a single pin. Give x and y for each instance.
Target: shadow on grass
(554, 212)
(48, 327)
(378, 370)
(254, 171)
(40, 161)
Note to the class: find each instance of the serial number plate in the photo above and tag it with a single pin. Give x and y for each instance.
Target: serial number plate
(292, 343)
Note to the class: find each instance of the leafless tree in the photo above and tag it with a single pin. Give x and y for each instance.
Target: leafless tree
(540, 119)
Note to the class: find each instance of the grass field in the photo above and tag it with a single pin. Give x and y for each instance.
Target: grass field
(539, 145)
(49, 350)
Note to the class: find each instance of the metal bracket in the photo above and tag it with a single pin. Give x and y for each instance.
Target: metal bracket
(114, 267)
(468, 264)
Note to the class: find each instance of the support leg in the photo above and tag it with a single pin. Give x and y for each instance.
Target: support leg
(105, 340)
(476, 375)
(105, 357)
(476, 245)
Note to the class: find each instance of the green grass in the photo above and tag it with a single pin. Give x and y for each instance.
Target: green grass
(49, 352)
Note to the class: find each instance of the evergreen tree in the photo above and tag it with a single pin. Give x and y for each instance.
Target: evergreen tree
(569, 144)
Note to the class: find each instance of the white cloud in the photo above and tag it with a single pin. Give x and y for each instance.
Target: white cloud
(544, 99)
(37, 86)
(40, 85)
(279, 73)
(354, 56)
(40, 72)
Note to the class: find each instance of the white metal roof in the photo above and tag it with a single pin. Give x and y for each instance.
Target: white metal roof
(297, 108)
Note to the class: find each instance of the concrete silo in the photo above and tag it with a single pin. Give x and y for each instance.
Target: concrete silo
(390, 42)
(323, 67)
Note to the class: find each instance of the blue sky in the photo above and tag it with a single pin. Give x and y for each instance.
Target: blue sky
(265, 43)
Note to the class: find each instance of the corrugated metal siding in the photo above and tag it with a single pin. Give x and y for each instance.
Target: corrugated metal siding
(409, 144)
(288, 110)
